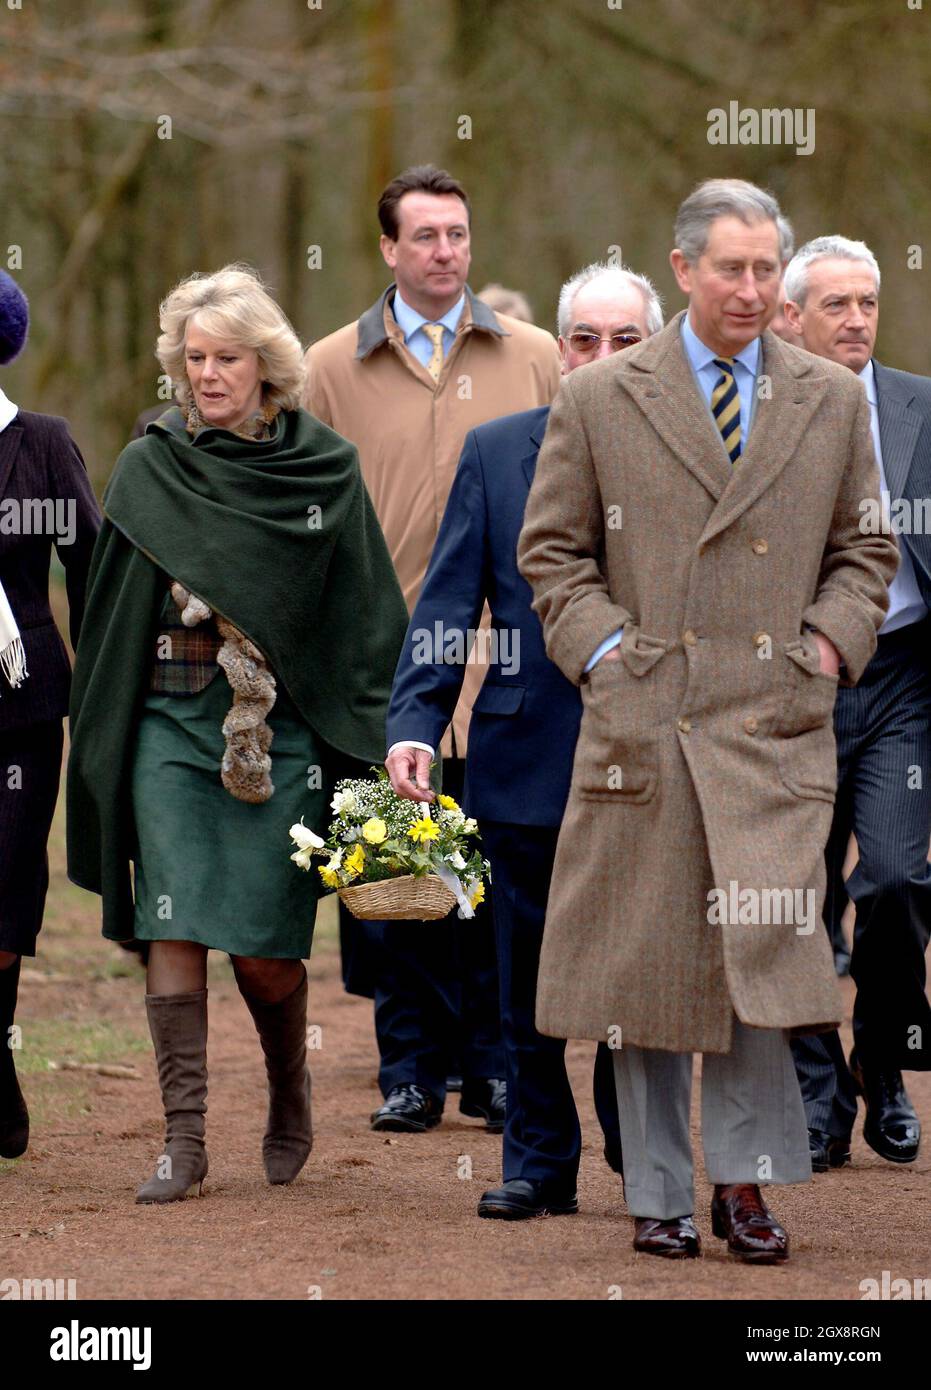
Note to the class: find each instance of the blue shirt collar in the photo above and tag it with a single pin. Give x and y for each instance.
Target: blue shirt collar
(410, 322)
(699, 355)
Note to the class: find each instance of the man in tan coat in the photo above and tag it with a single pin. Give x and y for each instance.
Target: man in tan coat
(692, 538)
(423, 366)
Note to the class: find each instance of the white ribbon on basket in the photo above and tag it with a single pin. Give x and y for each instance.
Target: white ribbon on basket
(446, 876)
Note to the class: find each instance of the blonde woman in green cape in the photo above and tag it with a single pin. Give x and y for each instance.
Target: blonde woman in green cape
(242, 627)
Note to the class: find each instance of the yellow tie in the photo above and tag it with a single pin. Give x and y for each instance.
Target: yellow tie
(434, 332)
(725, 407)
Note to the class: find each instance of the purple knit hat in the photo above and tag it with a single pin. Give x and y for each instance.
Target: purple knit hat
(14, 319)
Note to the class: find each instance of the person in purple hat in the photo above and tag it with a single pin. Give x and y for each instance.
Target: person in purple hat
(45, 499)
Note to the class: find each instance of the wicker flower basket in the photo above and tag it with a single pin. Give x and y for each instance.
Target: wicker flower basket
(400, 899)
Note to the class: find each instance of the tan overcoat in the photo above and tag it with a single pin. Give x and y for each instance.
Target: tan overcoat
(365, 382)
(706, 759)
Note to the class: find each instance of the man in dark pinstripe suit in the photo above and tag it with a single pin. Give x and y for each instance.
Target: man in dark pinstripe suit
(883, 730)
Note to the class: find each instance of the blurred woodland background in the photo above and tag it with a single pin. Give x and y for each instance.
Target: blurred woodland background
(145, 139)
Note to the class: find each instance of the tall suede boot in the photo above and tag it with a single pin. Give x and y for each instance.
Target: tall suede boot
(282, 1029)
(14, 1117)
(178, 1024)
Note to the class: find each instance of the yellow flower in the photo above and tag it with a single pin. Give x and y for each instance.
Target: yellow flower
(478, 896)
(330, 878)
(375, 831)
(448, 803)
(354, 863)
(423, 831)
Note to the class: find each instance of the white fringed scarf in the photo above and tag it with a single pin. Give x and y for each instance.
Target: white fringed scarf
(12, 655)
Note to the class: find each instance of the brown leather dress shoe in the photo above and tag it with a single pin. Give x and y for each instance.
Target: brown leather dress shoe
(741, 1217)
(677, 1239)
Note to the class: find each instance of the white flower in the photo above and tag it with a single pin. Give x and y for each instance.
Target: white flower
(470, 827)
(304, 838)
(343, 801)
(456, 860)
(302, 858)
(336, 860)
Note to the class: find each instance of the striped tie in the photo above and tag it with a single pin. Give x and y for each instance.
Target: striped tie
(434, 332)
(725, 407)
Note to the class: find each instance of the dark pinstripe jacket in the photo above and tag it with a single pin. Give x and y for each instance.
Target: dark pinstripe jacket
(45, 499)
(904, 407)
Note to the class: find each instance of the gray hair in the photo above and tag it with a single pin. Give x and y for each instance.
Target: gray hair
(727, 198)
(619, 277)
(822, 248)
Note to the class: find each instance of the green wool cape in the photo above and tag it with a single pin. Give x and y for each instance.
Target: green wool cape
(280, 537)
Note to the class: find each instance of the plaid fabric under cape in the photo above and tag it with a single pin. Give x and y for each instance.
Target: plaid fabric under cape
(185, 659)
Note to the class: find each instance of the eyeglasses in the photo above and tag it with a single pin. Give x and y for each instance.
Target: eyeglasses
(587, 343)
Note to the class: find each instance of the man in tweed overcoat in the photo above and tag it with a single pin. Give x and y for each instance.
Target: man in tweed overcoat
(693, 541)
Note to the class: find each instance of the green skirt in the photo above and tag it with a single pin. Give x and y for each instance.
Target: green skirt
(213, 869)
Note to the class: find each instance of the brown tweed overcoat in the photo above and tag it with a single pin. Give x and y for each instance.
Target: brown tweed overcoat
(706, 758)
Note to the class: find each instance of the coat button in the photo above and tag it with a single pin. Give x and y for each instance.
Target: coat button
(759, 546)
(683, 725)
(750, 724)
(689, 637)
(761, 639)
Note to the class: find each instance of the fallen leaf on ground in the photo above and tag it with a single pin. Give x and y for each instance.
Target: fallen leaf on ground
(99, 1068)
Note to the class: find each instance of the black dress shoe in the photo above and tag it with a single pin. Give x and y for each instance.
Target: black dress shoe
(677, 1239)
(485, 1100)
(827, 1151)
(523, 1197)
(409, 1109)
(891, 1126)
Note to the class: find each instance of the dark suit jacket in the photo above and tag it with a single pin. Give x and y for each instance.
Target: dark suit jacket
(40, 463)
(524, 722)
(904, 408)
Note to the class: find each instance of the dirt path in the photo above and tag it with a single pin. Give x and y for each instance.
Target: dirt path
(372, 1216)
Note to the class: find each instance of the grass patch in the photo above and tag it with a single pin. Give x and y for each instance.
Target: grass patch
(46, 1040)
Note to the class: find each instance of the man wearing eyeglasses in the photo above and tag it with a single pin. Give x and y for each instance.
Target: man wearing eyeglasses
(524, 725)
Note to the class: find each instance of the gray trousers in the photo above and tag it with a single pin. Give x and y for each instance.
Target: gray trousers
(752, 1119)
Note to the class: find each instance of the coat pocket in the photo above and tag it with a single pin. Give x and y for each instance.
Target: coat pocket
(498, 699)
(806, 749)
(617, 756)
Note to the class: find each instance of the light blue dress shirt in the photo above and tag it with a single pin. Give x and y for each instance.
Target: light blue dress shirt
(746, 370)
(905, 602)
(707, 376)
(411, 325)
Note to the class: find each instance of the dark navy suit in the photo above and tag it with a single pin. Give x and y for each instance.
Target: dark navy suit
(883, 731)
(522, 737)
